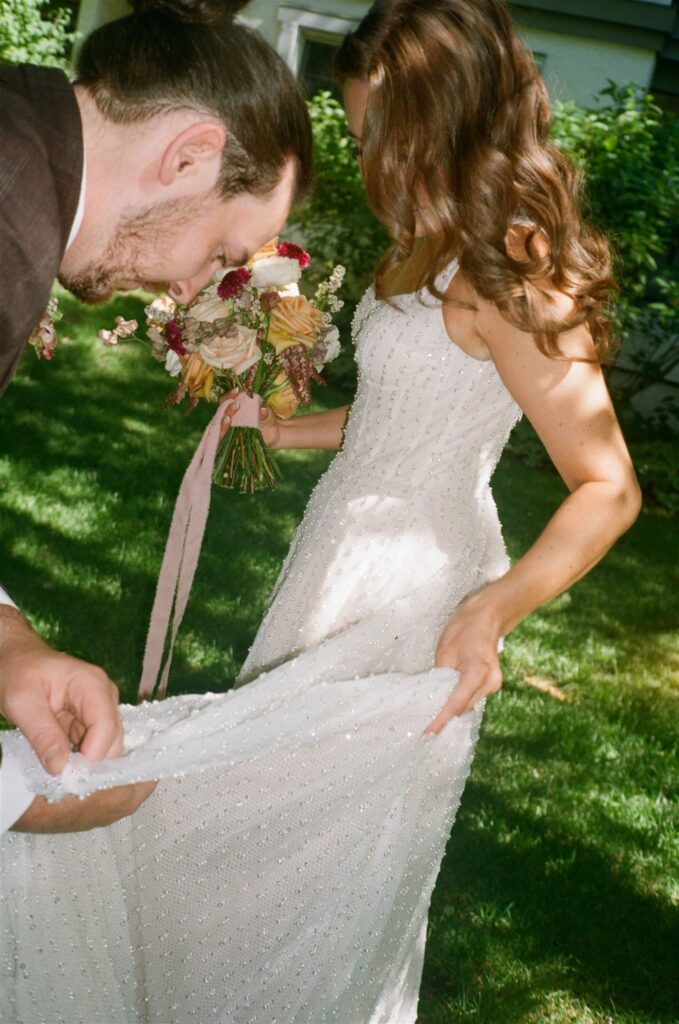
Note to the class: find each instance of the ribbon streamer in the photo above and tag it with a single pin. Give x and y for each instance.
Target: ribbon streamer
(183, 546)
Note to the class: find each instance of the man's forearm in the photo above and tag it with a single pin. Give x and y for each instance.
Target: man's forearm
(15, 631)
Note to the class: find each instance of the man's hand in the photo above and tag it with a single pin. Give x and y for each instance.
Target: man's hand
(58, 702)
(74, 815)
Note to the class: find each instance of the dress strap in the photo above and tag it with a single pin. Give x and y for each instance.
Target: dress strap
(447, 274)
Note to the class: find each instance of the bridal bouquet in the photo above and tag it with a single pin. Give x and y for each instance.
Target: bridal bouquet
(251, 332)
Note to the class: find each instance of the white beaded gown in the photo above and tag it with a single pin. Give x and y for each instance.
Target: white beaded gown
(282, 871)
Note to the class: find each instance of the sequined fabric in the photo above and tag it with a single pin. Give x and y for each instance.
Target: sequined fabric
(282, 871)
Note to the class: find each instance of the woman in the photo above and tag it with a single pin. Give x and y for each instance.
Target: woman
(285, 872)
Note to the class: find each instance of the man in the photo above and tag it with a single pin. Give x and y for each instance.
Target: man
(179, 149)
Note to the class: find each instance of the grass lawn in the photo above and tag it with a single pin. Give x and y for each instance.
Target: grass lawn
(555, 904)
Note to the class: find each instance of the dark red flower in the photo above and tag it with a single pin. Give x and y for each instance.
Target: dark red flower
(269, 300)
(294, 252)
(173, 336)
(233, 283)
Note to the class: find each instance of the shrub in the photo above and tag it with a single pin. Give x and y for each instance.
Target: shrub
(629, 150)
(657, 467)
(336, 223)
(35, 32)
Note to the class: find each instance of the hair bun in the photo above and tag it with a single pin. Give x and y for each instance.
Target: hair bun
(191, 10)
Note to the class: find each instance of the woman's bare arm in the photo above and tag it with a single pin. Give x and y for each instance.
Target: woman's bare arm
(568, 404)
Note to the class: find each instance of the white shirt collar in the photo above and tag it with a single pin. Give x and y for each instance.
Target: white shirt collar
(80, 212)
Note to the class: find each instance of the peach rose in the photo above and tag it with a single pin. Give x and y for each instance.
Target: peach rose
(283, 402)
(294, 321)
(236, 349)
(197, 376)
(210, 309)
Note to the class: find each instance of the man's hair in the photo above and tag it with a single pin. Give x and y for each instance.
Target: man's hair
(191, 54)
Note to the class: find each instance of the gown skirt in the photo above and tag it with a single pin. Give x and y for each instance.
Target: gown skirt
(281, 872)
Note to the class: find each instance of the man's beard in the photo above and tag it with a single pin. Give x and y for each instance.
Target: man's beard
(152, 231)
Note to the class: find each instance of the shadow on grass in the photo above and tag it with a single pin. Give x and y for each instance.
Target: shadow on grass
(562, 908)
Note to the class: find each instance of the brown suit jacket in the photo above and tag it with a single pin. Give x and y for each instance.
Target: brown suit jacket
(41, 162)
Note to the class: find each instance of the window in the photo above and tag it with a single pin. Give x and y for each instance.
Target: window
(315, 69)
(540, 60)
(307, 41)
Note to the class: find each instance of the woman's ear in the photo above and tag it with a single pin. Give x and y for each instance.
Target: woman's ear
(193, 151)
(524, 242)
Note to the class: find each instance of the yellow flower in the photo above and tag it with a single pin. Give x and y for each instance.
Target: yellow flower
(294, 321)
(270, 249)
(283, 402)
(197, 376)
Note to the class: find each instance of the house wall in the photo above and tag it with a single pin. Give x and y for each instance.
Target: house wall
(575, 67)
(93, 13)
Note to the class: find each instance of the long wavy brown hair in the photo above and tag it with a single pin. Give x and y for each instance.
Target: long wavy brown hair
(455, 146)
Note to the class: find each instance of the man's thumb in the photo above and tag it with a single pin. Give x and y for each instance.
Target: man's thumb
(49, 741)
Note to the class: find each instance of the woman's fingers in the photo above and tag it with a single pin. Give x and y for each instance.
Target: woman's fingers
(473, 685)
(230, 403)
(228, 396)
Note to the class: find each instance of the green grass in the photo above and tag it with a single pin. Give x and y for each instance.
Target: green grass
(555, 904)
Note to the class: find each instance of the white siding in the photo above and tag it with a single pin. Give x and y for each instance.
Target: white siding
(577, 69)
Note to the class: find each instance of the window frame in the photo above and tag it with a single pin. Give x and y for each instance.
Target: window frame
(296, 25)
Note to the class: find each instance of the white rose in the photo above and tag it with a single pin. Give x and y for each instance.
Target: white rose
(236, 350)
(161, 310)
(275, 272)
(327, 349)
(173, 363)
(332, 345)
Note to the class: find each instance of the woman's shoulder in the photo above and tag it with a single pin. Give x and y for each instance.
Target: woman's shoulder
(484, 330)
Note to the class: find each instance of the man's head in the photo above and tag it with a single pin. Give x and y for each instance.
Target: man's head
(197, 140)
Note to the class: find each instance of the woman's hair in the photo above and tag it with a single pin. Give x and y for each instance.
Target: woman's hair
(177, 54)
(456, 134)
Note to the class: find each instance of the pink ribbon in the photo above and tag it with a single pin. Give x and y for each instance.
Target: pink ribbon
(182, 549)
(248, 414)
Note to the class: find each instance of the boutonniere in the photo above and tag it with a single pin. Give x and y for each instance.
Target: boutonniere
(44, 337)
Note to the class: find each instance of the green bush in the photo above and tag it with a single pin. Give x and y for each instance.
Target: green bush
(336, 223)
(35, 32)
(657, 467)
(629, 150)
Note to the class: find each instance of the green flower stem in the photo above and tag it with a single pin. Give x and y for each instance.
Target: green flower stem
(243, 462)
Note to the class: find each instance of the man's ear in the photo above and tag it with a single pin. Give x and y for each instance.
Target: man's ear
(192, 151)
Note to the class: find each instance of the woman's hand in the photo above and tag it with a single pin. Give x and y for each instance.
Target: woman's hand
(270, 425)
(468, 644)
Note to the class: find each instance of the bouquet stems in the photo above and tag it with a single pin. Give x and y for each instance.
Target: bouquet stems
(244, 463)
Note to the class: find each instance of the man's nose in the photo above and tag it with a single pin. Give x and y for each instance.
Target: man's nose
(184, 292)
